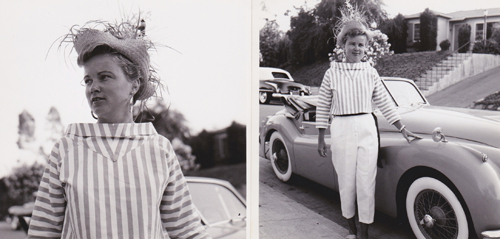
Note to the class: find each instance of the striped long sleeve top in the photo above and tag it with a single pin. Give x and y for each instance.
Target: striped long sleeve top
(350, 88)
(114, 181)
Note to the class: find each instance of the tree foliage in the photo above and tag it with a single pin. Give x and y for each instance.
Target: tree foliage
(269, 44)
(311, 35)
(397, 31)
(464, 38)
(23, 182)
(428, 31)
(171, 124)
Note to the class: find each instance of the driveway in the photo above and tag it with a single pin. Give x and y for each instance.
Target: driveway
(465, 92)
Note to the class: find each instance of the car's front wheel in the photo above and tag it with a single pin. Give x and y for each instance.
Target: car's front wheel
(280, 159)
(434, 211)
(264, 97)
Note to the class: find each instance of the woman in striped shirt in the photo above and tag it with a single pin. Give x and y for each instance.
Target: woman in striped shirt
(347, 91)
(115, 178)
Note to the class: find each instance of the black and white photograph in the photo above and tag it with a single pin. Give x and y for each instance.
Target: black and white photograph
(379, 119)
(250, 119)
(124, 119)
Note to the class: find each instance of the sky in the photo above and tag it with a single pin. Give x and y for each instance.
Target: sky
(275, 9)
(207, 74)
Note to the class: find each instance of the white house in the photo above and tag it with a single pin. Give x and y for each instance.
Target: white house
(449, 23)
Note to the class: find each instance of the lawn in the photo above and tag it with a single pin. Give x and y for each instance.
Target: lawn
(406, 65)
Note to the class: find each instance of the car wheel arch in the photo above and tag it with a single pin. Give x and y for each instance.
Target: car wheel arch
(267, 138)
(415, 173)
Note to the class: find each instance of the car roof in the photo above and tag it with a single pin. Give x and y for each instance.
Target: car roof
(266, 73)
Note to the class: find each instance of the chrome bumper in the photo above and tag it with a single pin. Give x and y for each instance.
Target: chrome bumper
(491, 234)
(278, 95)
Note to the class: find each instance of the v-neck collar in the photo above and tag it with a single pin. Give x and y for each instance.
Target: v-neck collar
(111, 140)
(350, 70)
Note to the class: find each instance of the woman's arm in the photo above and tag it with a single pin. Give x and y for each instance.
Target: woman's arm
(323, 111)
(321, 142)
(177, 210)
(388, 109)
(50, 205)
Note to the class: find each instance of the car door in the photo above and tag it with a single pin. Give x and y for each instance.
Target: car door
(308, 162)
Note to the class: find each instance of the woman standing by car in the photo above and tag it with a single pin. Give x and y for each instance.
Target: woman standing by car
(346, 92)
(114, 178)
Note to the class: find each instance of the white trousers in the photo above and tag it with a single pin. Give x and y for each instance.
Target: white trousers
(355, 151)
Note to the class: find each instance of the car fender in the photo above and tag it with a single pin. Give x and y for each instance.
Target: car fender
(477, 183)
(286, 128)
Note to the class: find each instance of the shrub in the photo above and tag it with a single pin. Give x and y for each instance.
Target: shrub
(445, 45)
(428, 31)
(23, 182)
(490, 47)
(464, 38)
(495, 36)
(400, 33)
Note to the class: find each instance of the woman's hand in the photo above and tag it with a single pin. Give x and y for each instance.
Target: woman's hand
(409, 136)
(321, 147)
(321, 143)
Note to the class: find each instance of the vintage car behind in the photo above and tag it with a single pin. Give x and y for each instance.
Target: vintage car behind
(275, 82)
(447, 184)
(221, 207)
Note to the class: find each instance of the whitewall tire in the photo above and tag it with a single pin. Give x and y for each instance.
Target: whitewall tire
(280, 159)
(434, 211)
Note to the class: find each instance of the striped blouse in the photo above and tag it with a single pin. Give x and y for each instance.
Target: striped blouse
(349, 88)
(114, 181)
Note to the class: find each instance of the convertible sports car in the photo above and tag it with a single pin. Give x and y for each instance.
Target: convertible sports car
(275, 82)
(447, 184)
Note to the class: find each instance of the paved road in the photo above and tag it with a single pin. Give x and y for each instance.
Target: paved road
(464, 93)
(7, 233)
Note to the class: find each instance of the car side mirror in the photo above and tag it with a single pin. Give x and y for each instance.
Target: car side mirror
(438, 136)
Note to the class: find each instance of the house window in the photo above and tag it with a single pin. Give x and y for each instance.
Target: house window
(416, 32)
(479, 31)
(490, 27)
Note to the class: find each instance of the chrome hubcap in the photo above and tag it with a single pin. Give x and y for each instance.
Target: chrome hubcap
(435, 215)
(280, 156)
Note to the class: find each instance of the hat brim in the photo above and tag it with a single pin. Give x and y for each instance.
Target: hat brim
(353, 25)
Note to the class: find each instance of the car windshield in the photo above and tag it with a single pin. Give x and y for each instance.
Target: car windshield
(216, 203)
(404, 93)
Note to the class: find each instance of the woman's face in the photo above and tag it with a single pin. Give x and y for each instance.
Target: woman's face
(355, 48)
(108, 90)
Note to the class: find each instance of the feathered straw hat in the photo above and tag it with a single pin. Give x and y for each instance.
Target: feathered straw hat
(353, 24)
(352, 18)
(126, 38)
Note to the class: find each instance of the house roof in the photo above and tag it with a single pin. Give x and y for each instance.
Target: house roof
(461, 15)
(417, 15)
(478, 13)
